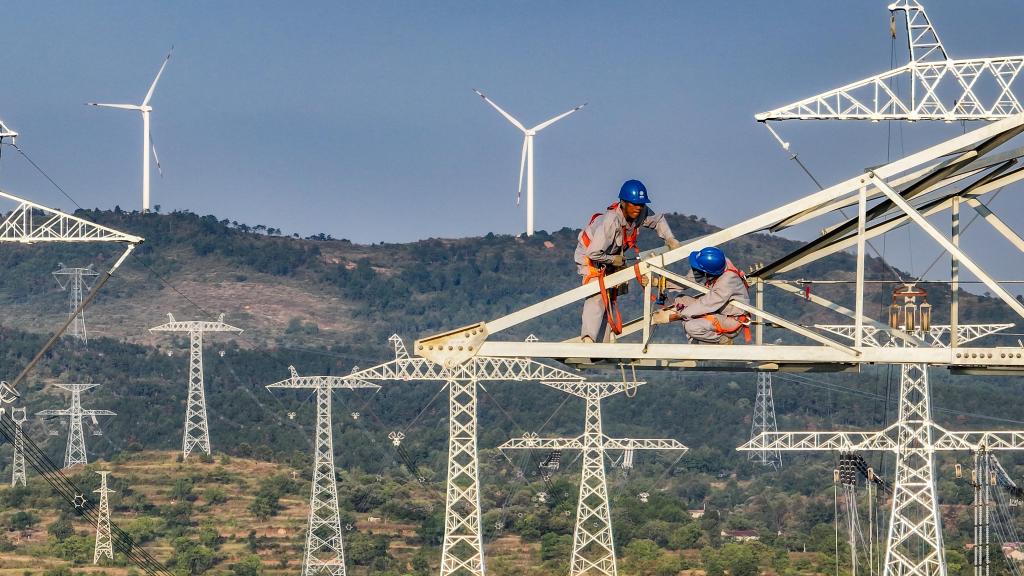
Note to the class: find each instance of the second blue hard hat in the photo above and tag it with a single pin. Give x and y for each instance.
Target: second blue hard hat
(710, 261)
(634, 192)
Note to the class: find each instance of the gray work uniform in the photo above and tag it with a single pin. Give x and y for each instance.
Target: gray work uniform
(694, 311)
(606, 234)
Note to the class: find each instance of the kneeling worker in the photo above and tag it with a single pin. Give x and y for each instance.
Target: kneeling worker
(601, 249)
(710, 318)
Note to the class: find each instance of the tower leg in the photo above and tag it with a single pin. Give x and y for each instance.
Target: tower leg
(78, 324)
(764, 421)
(325, 554)
(197, 431)
(104, 542)
(593, 551)
(915, 530)
(462, 551)
(75, 452)
(18, 476)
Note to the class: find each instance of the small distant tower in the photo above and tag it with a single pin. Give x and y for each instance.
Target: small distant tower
(19, 416)
(75, 281)
(104, 543)
(764, 421)
(324, 552)
(75, 452)
(197, 429)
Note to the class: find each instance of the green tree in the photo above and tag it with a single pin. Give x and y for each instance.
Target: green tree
(739, 559)
(191, 557)
(61, 528)
(249, 566)
(641, 557)
(684, 537)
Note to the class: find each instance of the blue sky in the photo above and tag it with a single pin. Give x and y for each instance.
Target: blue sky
(359, 120)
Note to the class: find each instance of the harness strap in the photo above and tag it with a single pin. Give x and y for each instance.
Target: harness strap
(743, 322)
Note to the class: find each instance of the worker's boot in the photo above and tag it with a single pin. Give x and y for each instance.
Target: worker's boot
(725, 339)
(578, 361)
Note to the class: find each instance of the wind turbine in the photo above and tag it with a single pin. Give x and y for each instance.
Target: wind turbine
(526, 160)
(147, 140)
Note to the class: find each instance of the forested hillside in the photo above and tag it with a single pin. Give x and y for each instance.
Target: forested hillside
(325, 305)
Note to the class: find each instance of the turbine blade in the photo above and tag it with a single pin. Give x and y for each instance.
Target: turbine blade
(507, 116)
(156, 158)
(522, 168)
(152, 86)
(118, 106)
(544, 125)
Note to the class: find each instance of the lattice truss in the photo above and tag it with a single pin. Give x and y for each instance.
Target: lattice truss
(18, 475)
(75, 452)
(914, 190)
(197, 428)
(29, 223)
(324, 552)
(6, 132)
(104, 541)
(593, 548)
(931, 86)
(462, 549)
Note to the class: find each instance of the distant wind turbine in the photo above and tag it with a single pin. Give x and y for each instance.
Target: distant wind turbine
(147, 140)
(526, 160)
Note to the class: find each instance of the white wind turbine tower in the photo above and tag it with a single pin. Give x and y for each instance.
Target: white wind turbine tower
(526, 160)
(147, 140)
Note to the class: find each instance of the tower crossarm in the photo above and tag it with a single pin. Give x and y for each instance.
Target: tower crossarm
(881, 337)
(173, 325)
(6, 132)
(29, 223)
(643, 444)
(945, 91)
(528, 442)
(968, 440)
(480, 368)
(68, 411)
(296, 381)
(812, 441)
(591, 389)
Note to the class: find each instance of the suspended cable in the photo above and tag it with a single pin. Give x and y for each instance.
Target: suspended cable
(41, 171)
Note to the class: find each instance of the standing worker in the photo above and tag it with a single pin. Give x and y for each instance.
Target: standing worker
(601, 250)
(711, 318)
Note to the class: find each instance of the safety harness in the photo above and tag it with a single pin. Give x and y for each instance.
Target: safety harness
(743, 320)
(610, 296)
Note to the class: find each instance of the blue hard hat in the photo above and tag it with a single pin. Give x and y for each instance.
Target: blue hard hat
(710, 261)
(634, 192)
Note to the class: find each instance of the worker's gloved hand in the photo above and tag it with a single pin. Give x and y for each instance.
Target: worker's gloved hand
(618, 260)
(662, 316)
(672, 243)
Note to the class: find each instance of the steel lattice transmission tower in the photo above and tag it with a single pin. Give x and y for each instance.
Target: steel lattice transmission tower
(462, 550)
(75, 452)
(18, 475)
(197, 428)
(914, 541)
(764, 421)
(325, 554)
(593, 548)
(75, 281)
(940, 88)
(104, 541)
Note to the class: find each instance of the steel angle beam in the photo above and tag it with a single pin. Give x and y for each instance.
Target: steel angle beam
(30, 223)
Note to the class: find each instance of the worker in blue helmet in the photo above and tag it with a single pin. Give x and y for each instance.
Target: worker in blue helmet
(601, 249)
(711, 318)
